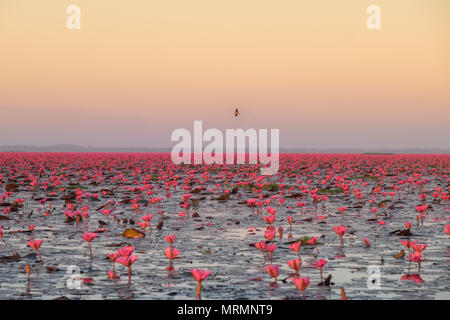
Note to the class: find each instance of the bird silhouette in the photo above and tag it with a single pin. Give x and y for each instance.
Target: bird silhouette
(236, 112)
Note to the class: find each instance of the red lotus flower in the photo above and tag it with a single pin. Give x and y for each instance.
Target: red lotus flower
(270, 233)
(126, 251)
(170, 238)
(36, 244)
(269, 219)
(296, 247)
(301, 284)
(319, 264)
(340, 230)
(447, 229)
(200, 276)
(171, 253)
(295, 265)
(273, 271)
(290, 220)
(127, 261)
(112, 275)
(89, 236)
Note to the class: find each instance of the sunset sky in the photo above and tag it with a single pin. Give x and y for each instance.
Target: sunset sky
(139, 69)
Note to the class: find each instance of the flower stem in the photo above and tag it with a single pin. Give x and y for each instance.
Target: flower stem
(90, 250)
(199, 290)
(42, 262)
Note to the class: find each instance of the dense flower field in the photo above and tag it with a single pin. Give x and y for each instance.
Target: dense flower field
(326, 226)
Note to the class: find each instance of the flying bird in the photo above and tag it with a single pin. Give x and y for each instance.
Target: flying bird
(236, 112)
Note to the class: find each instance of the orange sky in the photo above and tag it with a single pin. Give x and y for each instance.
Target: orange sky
(139, 69)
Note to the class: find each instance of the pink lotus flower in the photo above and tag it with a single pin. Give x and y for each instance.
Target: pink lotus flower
(340, 230)
(126, 251)
(408, 244)
(170, 238)
(270, 233)
(367, 242)
(295, 265)
(261, 246)
(144, 224)
(447, 229)
(290, 220)
(273, 271)
(252, 204)
(171, 253)
(113, 257)
(374, 210)
(269, 219)
(112, 275)
(342, 209)
(36, 244)
(416, 257)
(127, 261)
(418, 247)
(200, 276)
(147, 217)
(296, 247)
(300, 205)
(89, 236)
(319, 264)
(301, 284)
(106, 212)
(313, 241)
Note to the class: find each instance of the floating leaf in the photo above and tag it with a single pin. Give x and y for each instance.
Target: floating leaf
(13, 257)
(133, 233)
(116, 244)
(400, 255)
(50, 269)
(11, 187)
(224, 196)
(405, 233)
